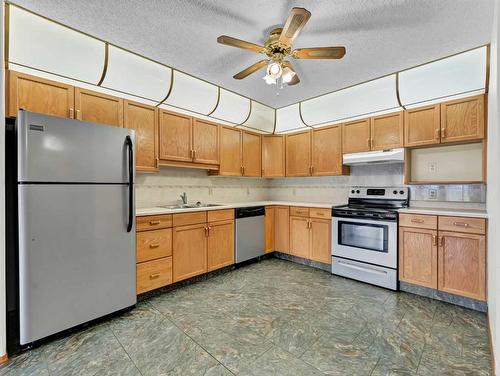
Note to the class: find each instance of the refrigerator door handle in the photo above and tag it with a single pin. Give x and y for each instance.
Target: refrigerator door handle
(130, 149)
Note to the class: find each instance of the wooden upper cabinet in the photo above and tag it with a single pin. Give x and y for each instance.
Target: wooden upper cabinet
(418, 256)
(175, 137)
(205, 142)
(281, 229)
(230, 152)
(320, 240)
(98, 108)
(39, 95)
(269, 224)
(326, 151)
(251, 154)
(422, 126)
(273, 156)
(386, 131)
(356, 136)
(220, 244)
(298, 154)
(189, 251)
(462, 119)
(299, 236)
(144, 120)
(462, 264)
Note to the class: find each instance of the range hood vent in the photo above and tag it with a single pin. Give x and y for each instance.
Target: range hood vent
(375, 157)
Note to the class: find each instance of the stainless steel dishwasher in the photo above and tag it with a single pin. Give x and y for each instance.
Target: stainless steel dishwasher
(249, 233)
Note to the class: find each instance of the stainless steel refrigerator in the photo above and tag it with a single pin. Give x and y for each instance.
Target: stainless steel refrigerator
(76, 223)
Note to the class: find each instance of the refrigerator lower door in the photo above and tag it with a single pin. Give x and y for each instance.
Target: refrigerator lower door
(76, 259)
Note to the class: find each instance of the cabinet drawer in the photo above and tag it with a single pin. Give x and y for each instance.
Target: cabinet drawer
(418, 221)
(153, 222)
(320, 213)
(462, 224)
(220, 215)
(154, 244)
(154, 274)
(193, 218)
(298, 211)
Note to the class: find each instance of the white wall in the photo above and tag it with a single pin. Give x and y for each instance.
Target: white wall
(494, 192)
(3, 348)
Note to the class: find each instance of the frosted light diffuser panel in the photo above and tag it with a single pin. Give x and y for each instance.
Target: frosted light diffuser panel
(288, 119)
(364, 99)
(458, 74)
(232, 107)
(136, 75)
(45, 45)
(192, 94)
(261, 118)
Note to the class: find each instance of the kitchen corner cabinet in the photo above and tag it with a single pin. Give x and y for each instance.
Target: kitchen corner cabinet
(269, 224)
(39, 95)
(240, 153)
(144, 120)
(98, 108)
(273, 156)
(298, 154)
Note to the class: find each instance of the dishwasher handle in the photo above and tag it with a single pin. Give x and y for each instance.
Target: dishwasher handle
(253, 211)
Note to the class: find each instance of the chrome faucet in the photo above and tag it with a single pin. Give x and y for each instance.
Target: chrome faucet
(184, 198)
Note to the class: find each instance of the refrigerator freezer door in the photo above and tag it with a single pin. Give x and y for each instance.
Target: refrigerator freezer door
(53, 149)
(76, 259)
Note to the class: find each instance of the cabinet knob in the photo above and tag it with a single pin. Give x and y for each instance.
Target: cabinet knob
(443, 133)
(154, 276)
(434, 240)
(71, 113)
(78, 115)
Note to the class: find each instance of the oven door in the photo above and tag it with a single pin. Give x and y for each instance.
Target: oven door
(366, 240)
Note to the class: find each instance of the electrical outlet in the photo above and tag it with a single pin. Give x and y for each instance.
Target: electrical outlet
(432, 166)
(432, 194)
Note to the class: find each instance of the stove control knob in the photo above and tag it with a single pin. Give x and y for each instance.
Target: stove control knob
(357, 191)
(394, 192)
(402, 192)
(352, 191)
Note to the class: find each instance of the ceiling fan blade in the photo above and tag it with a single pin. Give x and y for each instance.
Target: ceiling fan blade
(235, 42)
(251, 69)
(295, 79)
(319, 53)
(296, 21)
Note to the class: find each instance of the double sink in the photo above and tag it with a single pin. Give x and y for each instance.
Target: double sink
(188, 206)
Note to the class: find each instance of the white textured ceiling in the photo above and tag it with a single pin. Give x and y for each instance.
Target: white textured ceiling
(381, 36)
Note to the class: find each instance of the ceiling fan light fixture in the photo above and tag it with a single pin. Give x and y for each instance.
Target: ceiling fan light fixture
(269, 79)
(274, 70)
(287, 75)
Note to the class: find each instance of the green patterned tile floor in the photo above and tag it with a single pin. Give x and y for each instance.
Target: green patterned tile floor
(273, 318)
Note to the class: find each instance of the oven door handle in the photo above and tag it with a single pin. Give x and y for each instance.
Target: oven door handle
(371, 270)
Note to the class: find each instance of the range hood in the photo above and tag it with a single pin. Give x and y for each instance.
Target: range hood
(375, 157)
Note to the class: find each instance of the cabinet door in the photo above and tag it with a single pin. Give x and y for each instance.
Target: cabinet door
(299, 237)
(39, 95)
(326, 150)
(269, 229)
(98, 108)
(176, 137)
(356, 136)
(462, 119)
(273, 156)
(418, 256)
(205, 142)
(386, 131)
(281, 229)
(298, 154)
(251, 154)
(462, 264)
(189, 251)
(321, 240)
(144, 120)
(422, 125)
(220, 244)
(230, 152)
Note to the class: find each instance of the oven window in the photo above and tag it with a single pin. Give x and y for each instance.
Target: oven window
(363, 235)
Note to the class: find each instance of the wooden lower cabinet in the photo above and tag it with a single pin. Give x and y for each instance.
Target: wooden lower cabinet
(462, 264)
(281, 229)
(418, 256)
(153, 244)
(299, 236)
(220, 244)
(153, 274)
(269, 225)
(320, 240)
(189, 251)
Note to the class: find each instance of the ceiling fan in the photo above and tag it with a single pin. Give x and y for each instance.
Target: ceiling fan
(278, 48)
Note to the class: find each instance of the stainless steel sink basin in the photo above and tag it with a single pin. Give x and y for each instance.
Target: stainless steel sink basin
(188, 206)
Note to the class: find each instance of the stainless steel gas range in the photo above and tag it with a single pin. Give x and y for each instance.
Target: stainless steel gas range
(365, 235)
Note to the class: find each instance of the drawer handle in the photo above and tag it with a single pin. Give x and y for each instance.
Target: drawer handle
(154, 245)
(154, 276)
(434, 240)
(321, 214)
(417, 220)
(152, 223)
(460, 224)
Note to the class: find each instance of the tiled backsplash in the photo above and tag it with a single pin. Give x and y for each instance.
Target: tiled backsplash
(166, 186)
